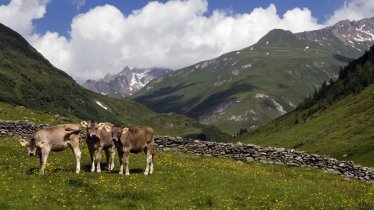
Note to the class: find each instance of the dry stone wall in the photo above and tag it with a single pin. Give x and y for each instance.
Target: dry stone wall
(269, 155)
(240, 152)
(19, 128)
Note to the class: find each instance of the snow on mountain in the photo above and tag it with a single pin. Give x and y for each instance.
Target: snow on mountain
(126, 82)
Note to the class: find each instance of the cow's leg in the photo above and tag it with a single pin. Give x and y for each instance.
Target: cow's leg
(43, 159)
(98, 160)
(151, 164)
(92, 156)
(112, 154)
(74, 144)
(146, 150)
(107, 156)
(121, 160)
(127, 154)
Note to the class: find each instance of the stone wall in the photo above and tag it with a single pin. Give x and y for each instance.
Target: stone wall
(19, 129)
(240, 152)
(268, 155)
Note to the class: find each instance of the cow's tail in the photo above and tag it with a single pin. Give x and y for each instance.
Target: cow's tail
(71, 129)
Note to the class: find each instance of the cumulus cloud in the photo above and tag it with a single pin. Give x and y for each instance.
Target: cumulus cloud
(353, 10)
(18, 14)
(173, 34)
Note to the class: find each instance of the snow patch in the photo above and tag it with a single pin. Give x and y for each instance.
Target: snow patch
(267, 54)
(101, 105)
(237, 52)
(267, 42)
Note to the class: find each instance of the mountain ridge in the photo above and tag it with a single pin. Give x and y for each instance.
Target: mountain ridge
(242, 89)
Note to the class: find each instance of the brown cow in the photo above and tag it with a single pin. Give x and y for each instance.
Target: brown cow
(134, 140)
(56, 138)
(99, 138)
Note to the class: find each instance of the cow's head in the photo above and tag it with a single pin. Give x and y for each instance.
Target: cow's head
(116, 133)
(32, 145)
(92, 128)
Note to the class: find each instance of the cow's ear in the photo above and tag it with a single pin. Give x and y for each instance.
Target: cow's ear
(24, 142)
(124, 130)
(84, 124)
(40, 144)
(108, 128)
(101, 125)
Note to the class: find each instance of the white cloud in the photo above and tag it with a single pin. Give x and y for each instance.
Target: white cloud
(172, 34)
(18, 14)
(353, 10)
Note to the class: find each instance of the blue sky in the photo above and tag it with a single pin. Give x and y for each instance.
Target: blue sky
(90, 38)
(60, 12)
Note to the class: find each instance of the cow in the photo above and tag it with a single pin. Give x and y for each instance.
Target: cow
(134, 140)
(56, 138)
(99, 138)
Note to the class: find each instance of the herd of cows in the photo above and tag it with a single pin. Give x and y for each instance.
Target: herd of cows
(99, 137)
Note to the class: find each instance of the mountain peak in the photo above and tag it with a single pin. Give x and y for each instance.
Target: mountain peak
(126, 82)
(277, 38)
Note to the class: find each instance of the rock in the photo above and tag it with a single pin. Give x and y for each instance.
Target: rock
(292, 164)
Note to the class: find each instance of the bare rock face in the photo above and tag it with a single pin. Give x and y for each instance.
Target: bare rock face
(126, 82)
(356, 34)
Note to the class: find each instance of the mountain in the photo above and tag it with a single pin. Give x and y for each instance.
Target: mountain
(126, 82)
(252, 86)
(29, 80)
(337, 120)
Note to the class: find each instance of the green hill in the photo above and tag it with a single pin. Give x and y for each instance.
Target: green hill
(179, 182)
(337, 120)
(252, 86)
(28, 79)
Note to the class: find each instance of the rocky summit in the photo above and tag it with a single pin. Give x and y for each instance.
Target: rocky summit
(126, 82)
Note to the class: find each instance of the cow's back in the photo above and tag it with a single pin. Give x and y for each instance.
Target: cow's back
(139, 137)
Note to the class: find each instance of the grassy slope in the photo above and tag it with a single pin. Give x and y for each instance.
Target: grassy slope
(345, 130)
(179, 181)
(277, 66)
(163, 124)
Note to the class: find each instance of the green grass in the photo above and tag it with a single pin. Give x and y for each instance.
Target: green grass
(179, 182)
(15, 112)
(344, 130)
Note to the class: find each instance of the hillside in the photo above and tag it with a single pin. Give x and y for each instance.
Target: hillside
(29, 80)
(252, 86)
(179, 182)
(337, 120)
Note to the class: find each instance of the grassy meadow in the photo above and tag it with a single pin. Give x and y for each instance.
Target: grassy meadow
(179, 182)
